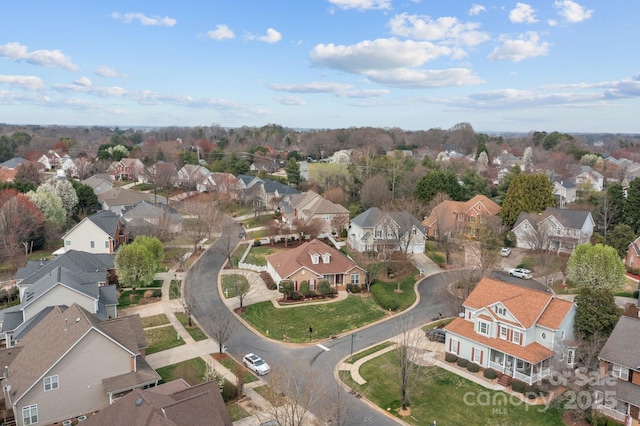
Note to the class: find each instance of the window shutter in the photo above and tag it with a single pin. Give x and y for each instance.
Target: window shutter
(473, 353)
(481, 353)
(449, 345)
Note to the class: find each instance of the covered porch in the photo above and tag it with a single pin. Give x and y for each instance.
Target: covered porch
(518, 368)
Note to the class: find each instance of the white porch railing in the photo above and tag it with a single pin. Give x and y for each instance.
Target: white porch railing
(610, 412)
(523, 377)
(496, 366)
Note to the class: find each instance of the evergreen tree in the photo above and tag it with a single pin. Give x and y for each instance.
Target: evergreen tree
(292, 168)
(438, 181)
(526, 193)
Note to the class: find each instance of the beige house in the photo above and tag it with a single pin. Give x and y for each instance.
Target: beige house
(72, 363)
(102, 232)
(309, 205)
(314, 261)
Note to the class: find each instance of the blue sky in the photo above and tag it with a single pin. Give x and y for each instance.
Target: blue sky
(561, 65)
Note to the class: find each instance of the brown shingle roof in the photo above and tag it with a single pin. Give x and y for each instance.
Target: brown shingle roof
(532, 353)
(525, 304)
(448, 209)
(554, 314)
(288, 261)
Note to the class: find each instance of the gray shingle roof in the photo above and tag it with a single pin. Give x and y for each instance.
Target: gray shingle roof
(73, 260)
(368, 218)
(622, 346)
(105, 220)
(573, 219)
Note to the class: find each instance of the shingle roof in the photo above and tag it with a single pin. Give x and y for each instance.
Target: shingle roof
(622, 345)
(122, 196)
(13, 163)
(571, 219)
(555, 313)
(81, 261)
(271, 186)
(447, 210)
(106, 220)
(368, 218)
(287, 262)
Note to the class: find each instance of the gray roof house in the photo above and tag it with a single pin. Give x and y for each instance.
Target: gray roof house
(119, 198)
(102, 232)
(555, 229)
(374, 230)
(618, 372)
(99, 184)
(144, 216)
(13, 163)
(74, 277)
(73, 363)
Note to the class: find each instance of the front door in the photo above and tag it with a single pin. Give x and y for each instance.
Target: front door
(508, 365)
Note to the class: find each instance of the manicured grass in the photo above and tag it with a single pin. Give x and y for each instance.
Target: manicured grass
(434, 253)
(229, 284)
(142, 187)
(257, 234)
(194, 330)
(237, 254)
(258, 255)
(154, 320)
(437, 324)
(449, 399)
(236, 412)
(369, 351)
(527, 263)
(192, 371)
(405, 298)
(174, 289)
(163, 338)
(230, 364)
(127, 299)
(156, 283)
(330, 319)
(255, 222)
(267, 394)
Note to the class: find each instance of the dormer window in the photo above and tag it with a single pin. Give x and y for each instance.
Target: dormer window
(483, 328)
(500, 310)
(326, 258)
(315, 259)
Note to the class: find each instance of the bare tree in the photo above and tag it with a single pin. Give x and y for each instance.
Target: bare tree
(201, 221)
(444, 226)
(338, 406)
(312, 227)
(537, 236)
(339, 222)
(371, 265)
(243, 285)
(228, 239)
(375, 192)
(483, 252)
(84, 167)
(222, 329)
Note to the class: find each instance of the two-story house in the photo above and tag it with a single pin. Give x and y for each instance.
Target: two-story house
(632, 259)
(564, 191)
(73, 277)
(555, 229)
(617, 394)
(142, 218)
(127, 169)
(100, 183)
(119, 198)
(197, 177)
(102, 232)
(72, 363)
(589, 179)
(376, 230)
(513, 330)
(314, 261)
(460, 217)
(309, 205)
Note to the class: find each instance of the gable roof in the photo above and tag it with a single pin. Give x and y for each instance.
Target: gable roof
(74, 260)
(105, 220)
(13, 162)
(621, 346)
(570, 219)
(95, 180)
(271, 186)
(121, 196)
(312, 203)
(635, 246)
(525, 304)
(147, 209)
(369, 218)
(447, 210)
(287, 262)
(61, 329)
(170, 404)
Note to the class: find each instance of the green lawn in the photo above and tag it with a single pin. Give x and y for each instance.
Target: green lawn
(229, 284)
(255, 222)
(434, 253)
(154, 320)
(160, 339)
(174, 289)
(230, 364)
(156, 283)
(194, 330)
(449, 399)
(258, 255)
(127, 299)
(405, 298)
(330, 319)
(236, 412)
(192, 371)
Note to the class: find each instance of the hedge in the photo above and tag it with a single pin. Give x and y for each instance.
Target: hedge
(384, 299)
(462, 362)
(450, 357)
(473, 368)
(518, 386)
(490, 373)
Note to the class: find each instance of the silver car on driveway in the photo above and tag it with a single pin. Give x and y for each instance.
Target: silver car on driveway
(521, 273)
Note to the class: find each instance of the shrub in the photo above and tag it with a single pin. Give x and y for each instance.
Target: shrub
(462, 362)
(148, 294)
(157, 293)
(354, 288)
(286, 287)
(296, 295)
(384, 299)
(324, 287)
(531, 391)
(343, 233)
(450, 357)
(473, 368)
(304, 287)
(256, 242)
(518, 386)
(635, 294)
(229, 391)
(632, 271)
(490, 373)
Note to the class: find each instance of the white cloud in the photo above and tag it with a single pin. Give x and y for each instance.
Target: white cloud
(572, 12)
(144, 19)
(23, 81)
(339, 89)
(271, 37)
(107, 72)
(362, 94)
(378, 54)
(83, 81)
(525, 46)
(362, 4)
(46, 58)
(413, 78)
(79, 87)
(221, 32)
(291, 100)
(522, 13)
(476, 9)
(446, 29)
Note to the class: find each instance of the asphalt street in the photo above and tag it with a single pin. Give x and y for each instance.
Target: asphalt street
(207, 306)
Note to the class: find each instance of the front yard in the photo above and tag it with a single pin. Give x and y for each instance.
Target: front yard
(447, 398)
(326, 320)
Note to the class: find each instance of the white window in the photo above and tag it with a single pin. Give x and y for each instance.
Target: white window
(326, 258)
(378, 233)
(477, 356)
(355, 278)
(30, 414)
(67, 242)
(106, 244)
(571, 357)
(519, 363)
(517, 336)
(454, 346)
(562, 338)
(503, 333)
(327, 217)
(315, 259)
(620, 372)
(51, 383)
(93, 244)
(483, 328)
(500, 310)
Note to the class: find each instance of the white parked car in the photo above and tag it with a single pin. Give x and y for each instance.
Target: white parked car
(256, 364)
(505, 251)
(521, 273)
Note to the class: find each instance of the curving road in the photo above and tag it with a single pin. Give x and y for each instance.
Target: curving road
(201, 289)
